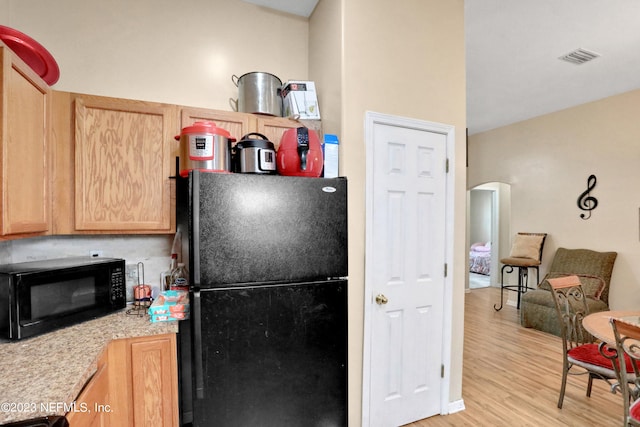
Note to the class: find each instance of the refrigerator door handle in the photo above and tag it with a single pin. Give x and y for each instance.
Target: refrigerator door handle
(195, 224)
(197, 345)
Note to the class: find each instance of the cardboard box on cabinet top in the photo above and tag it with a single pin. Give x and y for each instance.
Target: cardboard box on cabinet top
(300, 100)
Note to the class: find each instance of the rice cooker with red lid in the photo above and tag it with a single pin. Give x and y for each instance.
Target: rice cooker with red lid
(204, 147)
(300, 153)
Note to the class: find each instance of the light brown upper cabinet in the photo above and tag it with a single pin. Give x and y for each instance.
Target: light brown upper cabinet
(274, 127)
(122, 159)
(115, 159)
(239, 124)
(24, 144)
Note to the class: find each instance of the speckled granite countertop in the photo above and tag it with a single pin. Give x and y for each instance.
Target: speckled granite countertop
(39, 375)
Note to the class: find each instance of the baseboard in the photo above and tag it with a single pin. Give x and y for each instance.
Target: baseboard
(456, 406)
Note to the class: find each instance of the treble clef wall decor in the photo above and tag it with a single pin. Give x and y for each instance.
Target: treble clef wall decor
(586, 202)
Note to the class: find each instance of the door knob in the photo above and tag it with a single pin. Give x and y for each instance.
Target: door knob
(381, 299)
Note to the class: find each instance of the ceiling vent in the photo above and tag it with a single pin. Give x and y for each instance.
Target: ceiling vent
(579, 56)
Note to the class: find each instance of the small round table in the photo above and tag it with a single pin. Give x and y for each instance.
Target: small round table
(597, 324)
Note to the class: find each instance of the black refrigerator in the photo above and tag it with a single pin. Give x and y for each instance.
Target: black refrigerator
(266, 342)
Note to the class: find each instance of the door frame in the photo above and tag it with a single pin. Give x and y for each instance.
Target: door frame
(371, 119)
(494, 189)
(500, 226)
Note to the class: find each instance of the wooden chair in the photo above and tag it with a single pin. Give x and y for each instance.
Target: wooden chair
(578, 345)
(526, 253)
(628, 349)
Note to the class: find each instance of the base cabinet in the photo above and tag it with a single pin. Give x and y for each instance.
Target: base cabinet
(154, 382)
(136, 385)
(91, 407)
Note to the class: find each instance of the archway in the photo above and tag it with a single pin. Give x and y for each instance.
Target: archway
(488, 223)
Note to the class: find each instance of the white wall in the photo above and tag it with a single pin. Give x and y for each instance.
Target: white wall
(480, 206)
(179, 52)
(547, 160)
(403, 58)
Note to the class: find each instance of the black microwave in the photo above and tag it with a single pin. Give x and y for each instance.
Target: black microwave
(42, 296)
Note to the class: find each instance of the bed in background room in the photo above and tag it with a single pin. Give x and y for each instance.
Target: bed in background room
(480, 258)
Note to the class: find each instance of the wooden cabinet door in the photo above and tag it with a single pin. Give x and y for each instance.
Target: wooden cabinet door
(238, 124)
(144, 372)
(136, 384)
(274, 127)
(92, 407)
(154, 381)
(124, 152)
(24, 138)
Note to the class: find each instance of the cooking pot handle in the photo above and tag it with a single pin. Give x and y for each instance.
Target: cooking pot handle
(255, 133)
(235, 79)
(234, 104)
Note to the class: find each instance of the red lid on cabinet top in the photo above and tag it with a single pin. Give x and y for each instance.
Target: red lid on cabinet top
(32, 53)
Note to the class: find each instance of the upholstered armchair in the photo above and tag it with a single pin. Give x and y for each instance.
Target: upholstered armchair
(594, 270)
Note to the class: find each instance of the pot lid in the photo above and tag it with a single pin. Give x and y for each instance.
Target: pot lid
(259, 74)
(255, 143)
(260, 142)
(32, 53)
(205, 127)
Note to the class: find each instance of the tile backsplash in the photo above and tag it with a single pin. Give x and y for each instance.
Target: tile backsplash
(152, 250)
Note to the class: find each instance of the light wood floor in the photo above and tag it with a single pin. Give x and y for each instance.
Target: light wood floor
(511, 376)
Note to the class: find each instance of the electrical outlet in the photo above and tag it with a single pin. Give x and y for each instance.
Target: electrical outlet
(131, 271)
(131, 277)
(95, 253)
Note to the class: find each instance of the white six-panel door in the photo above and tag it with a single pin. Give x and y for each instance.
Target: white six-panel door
(405, 273)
